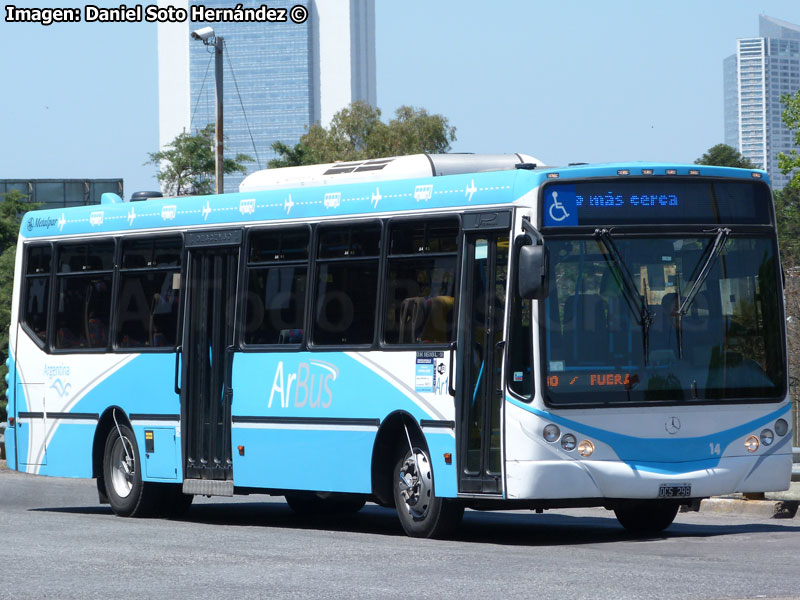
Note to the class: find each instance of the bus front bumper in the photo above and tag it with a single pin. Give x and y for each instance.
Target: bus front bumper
(559, 479)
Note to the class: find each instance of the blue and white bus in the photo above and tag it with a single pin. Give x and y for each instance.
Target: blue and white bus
(426, 332)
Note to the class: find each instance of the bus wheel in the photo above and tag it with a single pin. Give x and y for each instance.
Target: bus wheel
(128, 495)
(646, 516)
(421, 512)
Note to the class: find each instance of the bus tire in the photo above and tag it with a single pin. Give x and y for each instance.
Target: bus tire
(128, 495)
(646, 516)
(421, 512)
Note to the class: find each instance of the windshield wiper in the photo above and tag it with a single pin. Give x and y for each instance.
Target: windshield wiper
(713, 250)
(635, 301)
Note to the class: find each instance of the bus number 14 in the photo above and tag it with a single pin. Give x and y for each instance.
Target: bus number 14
(714, 448)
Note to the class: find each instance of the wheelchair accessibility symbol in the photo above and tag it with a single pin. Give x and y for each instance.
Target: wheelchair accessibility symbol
(556, 208)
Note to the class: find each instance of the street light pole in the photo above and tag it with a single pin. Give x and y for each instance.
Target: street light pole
(218, 41)
(209, 38)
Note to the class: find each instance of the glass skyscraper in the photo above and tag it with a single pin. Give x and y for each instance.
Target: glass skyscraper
(278, 77)
(755, 78)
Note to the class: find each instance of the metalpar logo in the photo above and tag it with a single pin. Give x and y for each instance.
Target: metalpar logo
(41, 223)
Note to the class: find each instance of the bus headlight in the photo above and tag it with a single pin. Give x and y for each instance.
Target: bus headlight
(585, 448)
(767, 436)
(751, 443)
(568, 442)
(781, 427)
(551, 432)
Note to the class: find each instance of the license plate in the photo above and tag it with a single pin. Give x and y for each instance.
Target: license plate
(683, 490)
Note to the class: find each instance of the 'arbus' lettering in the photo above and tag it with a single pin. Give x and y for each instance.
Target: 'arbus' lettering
(311, 385)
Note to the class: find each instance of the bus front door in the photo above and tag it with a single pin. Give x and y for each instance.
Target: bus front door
(207, 354)
(480, 350)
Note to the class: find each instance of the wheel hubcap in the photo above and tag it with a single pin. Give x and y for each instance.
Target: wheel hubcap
(122, 467)
(416, 484)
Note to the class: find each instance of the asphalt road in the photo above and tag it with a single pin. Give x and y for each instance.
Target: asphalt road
(57, 542)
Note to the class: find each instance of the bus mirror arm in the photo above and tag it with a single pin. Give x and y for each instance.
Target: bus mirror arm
(450, 387)
(178, 352)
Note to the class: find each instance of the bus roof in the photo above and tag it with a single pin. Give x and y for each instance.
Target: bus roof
(348, 198)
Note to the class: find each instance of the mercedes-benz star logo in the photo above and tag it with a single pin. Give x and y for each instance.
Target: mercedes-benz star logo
(672, 425)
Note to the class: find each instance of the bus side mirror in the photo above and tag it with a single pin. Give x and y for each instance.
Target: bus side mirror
(532, 263)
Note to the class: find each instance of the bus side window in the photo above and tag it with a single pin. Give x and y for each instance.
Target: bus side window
(149, 294)
(421, 282)
(37, 286)
(84, 280)
(346, 285)
(520, 352)
(277, 274)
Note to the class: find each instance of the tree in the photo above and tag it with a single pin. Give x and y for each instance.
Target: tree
(791, 118)
(7, 259)
(13, 206)
(723, 155)
(187, 164)
(357, 133)
(787, 213)
(792, 295)
(291, 156)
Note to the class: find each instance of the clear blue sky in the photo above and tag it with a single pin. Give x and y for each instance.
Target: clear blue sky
(566, 81)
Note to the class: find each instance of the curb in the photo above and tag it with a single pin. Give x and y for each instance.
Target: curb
(766, 509)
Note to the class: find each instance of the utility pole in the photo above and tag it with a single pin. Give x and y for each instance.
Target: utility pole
(218, 43)
(209, 38)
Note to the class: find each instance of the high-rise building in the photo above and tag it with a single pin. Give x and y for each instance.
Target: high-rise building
(762, 70)
(279, 77)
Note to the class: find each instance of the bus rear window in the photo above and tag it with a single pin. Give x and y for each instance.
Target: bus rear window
(37, 288)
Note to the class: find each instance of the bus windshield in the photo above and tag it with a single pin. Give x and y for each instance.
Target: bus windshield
(689, 318)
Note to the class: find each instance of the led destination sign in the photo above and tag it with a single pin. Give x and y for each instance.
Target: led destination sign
(593, 379)
(673, 201)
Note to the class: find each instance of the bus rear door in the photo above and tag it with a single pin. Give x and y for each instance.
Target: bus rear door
(208, 344)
